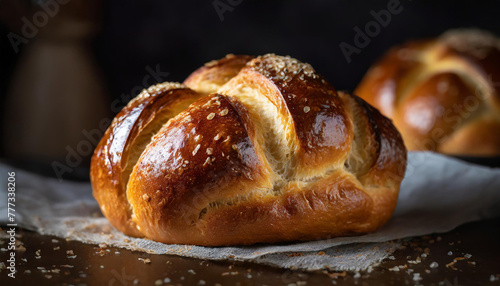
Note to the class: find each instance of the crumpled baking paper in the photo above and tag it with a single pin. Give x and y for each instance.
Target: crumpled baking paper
(438, 194)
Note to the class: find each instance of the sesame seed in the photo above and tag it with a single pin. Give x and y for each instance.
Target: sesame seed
(210, 63)
(307, 109)
(416, 277)
(235, 147)
(211, 116)
(224, 112)
(217, 137)
(145, 197)
(210, 151)
(145, 260)
(196, 149)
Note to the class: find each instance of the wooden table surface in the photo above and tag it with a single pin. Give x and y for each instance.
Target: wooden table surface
(468, 255)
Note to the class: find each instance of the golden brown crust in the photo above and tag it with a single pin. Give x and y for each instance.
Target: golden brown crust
(210, 77)
(109, 172)
(132, 129)
(275, 155)
(190, 164)
(319, 121)
(382, 180)
(433, 89)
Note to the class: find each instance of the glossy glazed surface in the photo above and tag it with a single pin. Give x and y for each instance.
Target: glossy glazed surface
(275, 154)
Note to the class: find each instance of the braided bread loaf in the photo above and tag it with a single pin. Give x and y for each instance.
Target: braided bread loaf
(248, 150)
(443, 94)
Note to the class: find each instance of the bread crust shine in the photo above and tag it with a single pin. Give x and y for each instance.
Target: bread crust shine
(272, 154)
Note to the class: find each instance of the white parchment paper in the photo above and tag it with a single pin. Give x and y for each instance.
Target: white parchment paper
(438, 194)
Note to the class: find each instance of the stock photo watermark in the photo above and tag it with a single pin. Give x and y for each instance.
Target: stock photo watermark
(363, 36)
(31, 27)
(224, 6)
(121, 278)
(76, 154)
(11, 225)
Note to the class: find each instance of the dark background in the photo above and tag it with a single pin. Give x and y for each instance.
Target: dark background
(182, 35)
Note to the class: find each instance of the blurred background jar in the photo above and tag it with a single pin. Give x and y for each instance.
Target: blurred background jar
(57, 93)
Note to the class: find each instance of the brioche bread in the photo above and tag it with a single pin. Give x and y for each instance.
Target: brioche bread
(443, 94)
(248, 150)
